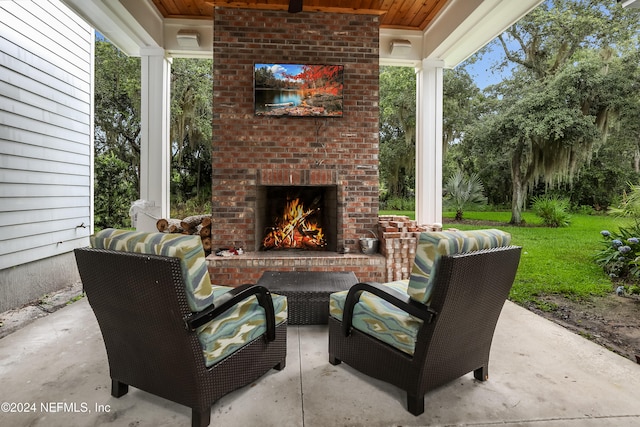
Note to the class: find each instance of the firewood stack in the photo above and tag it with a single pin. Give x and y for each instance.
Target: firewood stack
(196, 224)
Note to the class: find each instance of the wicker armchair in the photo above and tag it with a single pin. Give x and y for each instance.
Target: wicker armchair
(163, 321)
(424, 332)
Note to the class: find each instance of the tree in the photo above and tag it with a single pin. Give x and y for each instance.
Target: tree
(462, 101)
(190, 130)
(560, 103)
(601, 183)
(463, 104)
(117, 128)
(117, 135)
(397, 129)
(114, 192)
(117, 106)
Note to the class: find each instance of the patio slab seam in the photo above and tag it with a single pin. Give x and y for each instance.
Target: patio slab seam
(15, 319)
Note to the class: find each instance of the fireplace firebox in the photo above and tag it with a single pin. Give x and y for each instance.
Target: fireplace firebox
(302, 218)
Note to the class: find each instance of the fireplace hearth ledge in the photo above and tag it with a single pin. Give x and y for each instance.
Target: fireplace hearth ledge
(293, 253)
(248, 267)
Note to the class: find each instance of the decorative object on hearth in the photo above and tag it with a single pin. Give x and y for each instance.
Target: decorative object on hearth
(230, 251)
(369, 245)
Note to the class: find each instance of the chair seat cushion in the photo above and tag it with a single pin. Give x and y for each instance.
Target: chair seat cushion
(380, 319)
(237, 326)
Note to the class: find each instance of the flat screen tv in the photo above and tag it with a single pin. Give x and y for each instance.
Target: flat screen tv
(298, 90)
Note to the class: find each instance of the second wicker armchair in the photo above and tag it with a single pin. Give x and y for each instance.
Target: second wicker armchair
(421, 333)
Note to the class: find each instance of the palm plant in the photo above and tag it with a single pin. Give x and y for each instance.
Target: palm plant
(464, 193)
(630, 206)
(553, 210)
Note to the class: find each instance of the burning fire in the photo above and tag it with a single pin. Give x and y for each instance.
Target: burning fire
(295, 230)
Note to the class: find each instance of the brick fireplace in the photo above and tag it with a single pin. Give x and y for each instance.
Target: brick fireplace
(254, 155)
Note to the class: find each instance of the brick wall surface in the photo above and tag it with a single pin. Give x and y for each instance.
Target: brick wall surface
(251, 150)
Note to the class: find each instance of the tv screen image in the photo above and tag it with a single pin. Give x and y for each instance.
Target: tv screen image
(298, 90)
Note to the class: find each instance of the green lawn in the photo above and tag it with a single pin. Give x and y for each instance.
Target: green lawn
(554, 260)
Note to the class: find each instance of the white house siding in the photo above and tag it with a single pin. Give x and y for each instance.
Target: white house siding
(46, 145)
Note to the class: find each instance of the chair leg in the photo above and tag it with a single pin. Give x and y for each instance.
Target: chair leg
(118, 389)
(200, 418)
(415, 404)
(333, 360)
(481, 374)
(280, 366)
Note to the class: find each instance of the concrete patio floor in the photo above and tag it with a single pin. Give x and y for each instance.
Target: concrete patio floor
(540, 375)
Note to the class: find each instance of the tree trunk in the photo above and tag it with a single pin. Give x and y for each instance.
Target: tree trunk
(518, 195)
(518, 188)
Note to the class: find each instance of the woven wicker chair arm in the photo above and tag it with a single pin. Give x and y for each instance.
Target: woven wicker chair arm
(398, 299)
(231, 298)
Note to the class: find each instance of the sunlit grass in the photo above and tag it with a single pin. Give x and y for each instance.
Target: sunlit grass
(554, 260)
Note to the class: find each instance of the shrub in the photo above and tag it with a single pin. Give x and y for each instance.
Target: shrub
(620, 256)
(583, 210)
(200, 205)
(553, 210)
(398, 204)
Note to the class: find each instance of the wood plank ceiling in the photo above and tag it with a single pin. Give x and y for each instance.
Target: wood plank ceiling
(401, 14)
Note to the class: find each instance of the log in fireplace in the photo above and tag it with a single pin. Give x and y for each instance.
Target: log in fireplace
(296, 217)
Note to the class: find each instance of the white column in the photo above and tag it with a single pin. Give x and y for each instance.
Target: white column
(155, 146)
(429, 142)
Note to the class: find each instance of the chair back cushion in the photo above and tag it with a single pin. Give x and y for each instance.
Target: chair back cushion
(198, 289)
(433, 245)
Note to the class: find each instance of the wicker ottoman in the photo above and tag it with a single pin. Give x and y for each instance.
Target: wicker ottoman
(307, 292)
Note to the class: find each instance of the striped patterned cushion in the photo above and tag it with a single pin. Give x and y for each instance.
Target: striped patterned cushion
(376, 317)
(228, 332)
(433, 245)
(237, 326)
(198, 287)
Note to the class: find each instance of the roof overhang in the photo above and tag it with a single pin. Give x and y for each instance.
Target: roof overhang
(461, 28)
(631, 4)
